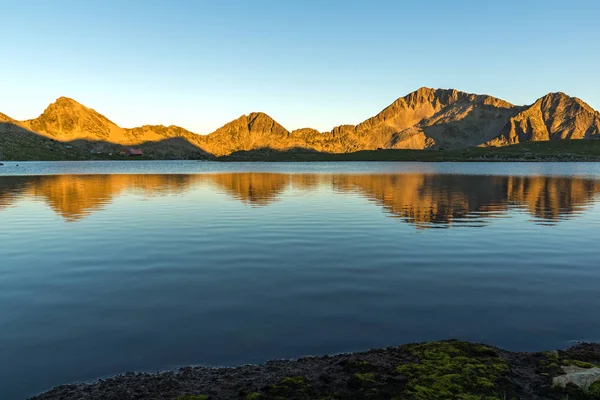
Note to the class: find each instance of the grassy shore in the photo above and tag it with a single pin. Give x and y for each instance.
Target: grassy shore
(559, 150)
(424, 371)
(556, 150)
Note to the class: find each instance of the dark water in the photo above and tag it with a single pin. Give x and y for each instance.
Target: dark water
(113, 267)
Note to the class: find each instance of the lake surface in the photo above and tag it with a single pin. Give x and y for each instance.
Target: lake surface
(107, 267)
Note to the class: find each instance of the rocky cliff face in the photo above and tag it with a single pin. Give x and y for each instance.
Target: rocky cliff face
(439, 118)
(66, 119)
(246, 133)
(554, 116)
(425, 119)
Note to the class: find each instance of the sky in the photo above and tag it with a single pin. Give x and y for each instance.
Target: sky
(312, 63)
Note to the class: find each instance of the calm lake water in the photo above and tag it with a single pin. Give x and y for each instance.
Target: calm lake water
(107, 267)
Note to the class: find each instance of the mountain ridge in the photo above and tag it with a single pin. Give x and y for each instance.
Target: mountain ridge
(423, 119)
(553, 116)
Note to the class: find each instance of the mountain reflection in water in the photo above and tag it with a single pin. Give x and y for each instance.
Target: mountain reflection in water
(425, 200)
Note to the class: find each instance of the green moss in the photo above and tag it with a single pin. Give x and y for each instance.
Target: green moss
(290, 387)
(551, 356)
(454, 370)
(551, 364)
(594, 391)
(292, 381)
(359, 364)
(253, 396)
(543, 151)
(577, 363)
(368, 377)
(362, 381)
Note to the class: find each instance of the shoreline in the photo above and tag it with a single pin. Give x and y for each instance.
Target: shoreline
(585, 150)
(333, 158)
(431, 370)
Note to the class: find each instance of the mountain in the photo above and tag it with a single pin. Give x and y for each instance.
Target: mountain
(425, 119)
(436, 119)
(6, 118)
(67, 121)
(554, 116)
(246, 133)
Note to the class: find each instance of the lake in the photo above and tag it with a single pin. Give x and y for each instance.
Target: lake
(108, 267)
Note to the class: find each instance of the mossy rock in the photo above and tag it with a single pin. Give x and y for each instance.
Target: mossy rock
(192, 397)
(361, 381)
(551, 364)
(455, 370)
(573, 392)
(289, 387)
(594, 391)
(580, 364)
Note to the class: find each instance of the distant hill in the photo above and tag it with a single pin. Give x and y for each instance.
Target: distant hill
(438, 119)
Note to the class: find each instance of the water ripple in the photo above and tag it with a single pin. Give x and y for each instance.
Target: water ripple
(145, 266)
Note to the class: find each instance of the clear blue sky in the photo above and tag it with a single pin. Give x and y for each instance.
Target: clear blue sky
(317, 63)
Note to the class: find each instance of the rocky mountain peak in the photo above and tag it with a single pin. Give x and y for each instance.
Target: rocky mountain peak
(555, 100)
(429, 96)
(67, 118)
(264, 124)
(6, 118)
(65, 101)
(65, 105)
(552, 117)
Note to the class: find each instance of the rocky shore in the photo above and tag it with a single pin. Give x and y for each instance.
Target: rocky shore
(424, 371)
